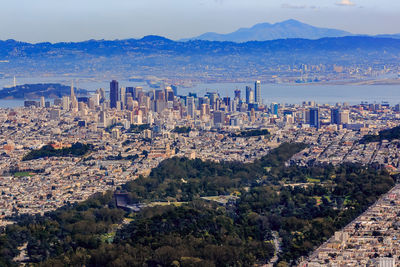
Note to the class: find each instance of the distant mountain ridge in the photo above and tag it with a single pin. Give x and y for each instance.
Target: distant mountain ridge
(266, 32)
(208, 60)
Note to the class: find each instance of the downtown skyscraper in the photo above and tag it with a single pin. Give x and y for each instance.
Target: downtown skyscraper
(257, 92)
(114, 94)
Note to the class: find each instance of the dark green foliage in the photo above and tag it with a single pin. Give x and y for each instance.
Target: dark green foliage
(199, 231)
(294, 213)
(62, 231)
(138, 128)
(76, 150)
(112, 126)
(389, 134)
(202, 233)
(182, 129)
(181, 179)
(250, 133)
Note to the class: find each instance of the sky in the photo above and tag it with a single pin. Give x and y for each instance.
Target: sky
(78, 20)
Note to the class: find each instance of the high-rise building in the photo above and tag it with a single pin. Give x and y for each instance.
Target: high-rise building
(339, 116)
(344, 116)
(113, 94)
(335, 116)
(237, 93)
(219, 117)
(175, 89)
(213, 99)
(65, 103)
(257, 92)
(137, 92)
(130, 91)
(103, 118)
(191, 107)
(249, 95)
(314, 118)
(274, 108)
(72, 95)
(160, 95)
(102, 94)
(122, 98)
(169, 93)
(42, 102)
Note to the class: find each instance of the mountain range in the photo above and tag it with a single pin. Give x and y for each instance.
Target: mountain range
(207, 60)
(282, 30)
(266, 31)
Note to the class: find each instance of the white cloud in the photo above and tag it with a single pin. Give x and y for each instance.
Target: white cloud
(345, 3)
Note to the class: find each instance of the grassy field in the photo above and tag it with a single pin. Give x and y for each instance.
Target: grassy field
(22, 174)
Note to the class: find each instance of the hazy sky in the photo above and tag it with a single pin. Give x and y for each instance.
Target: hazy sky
(76, 20)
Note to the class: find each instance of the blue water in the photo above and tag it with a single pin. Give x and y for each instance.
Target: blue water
(296, 94)
(280, 93)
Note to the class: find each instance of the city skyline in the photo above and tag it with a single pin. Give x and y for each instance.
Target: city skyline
(55, 21)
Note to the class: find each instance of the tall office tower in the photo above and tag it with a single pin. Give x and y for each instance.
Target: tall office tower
(113, 94)
(339, 116)
(65, 103)
(249, 95)
(335, 116)
(314, 118)
(274, 108)
(137, 117)
(96, 99)
(103, 118)
(203, 111)
(236, 104)
(42, 102)
(227, 101)
(122, 97)
(137, 92)
(160, 95)
(102, 93)
(92, 103)
(129, 103)
(257, 92)
(190, 106)
(169, 93)
(344, 117)
(219, 117)
(213, 99)
(175, 89)
(237, 94)
(72, 96)
(130, 91)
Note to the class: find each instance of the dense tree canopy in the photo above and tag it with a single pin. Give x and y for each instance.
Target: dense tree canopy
(76, 150)
(304, 205)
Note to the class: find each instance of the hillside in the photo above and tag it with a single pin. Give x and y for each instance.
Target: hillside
(205, 60)
(35, 91)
